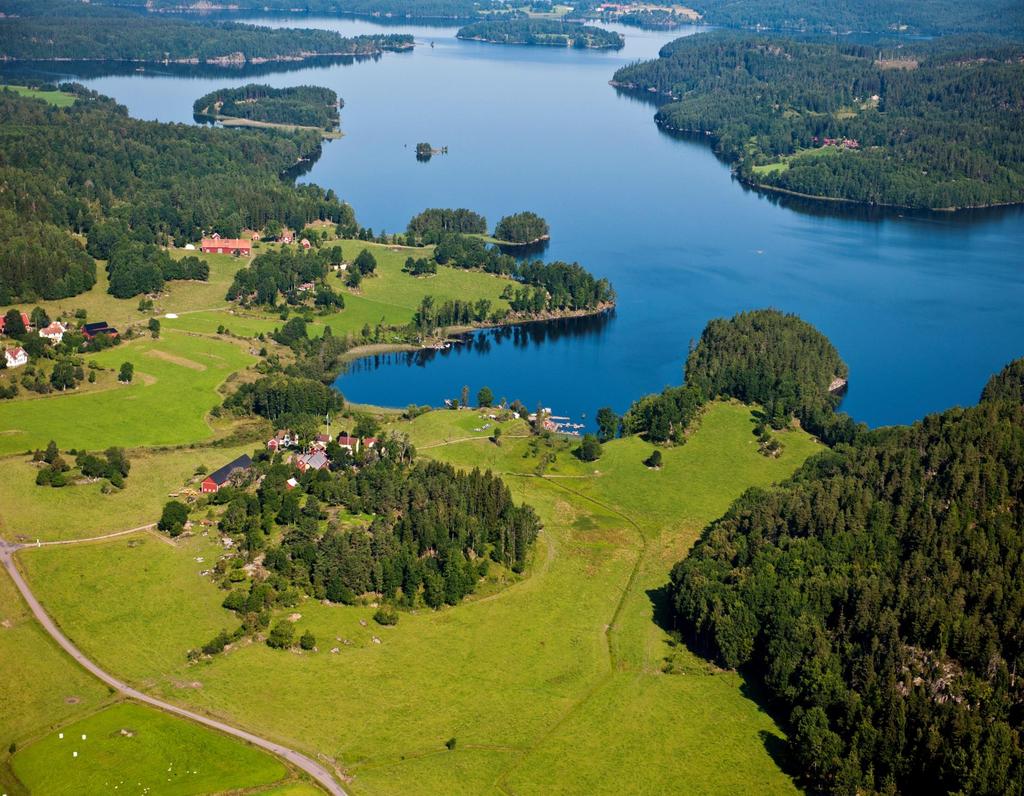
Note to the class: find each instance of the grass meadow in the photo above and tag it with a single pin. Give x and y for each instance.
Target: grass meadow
(175, 386)
(558, 683)
(61, 99)
(136, 749)
(29, 512)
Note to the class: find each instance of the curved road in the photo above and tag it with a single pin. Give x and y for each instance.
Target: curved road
(311, 767)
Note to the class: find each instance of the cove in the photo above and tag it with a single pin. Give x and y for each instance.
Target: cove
(922, 307)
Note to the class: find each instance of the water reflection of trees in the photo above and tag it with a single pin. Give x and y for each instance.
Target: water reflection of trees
(483, 342)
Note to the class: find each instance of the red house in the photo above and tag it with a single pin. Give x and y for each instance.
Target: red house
(219, 245)
(215, 480)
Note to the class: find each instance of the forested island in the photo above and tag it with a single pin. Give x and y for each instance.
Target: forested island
(41, 32)
(196, 179)
(313, 107)
(544, 32)
(931, 125)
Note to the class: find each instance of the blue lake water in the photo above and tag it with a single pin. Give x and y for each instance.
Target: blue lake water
(923, 308)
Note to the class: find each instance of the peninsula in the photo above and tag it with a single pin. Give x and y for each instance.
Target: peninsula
(254, 105)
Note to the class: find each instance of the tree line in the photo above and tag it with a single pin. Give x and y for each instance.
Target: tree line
(878, 596)
(62, 29)
(926, 125)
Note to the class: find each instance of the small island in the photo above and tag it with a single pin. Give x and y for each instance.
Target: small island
(299, 107)
(425, 151)
(543, 32)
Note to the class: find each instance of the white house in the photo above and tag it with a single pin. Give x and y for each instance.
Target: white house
(16, 357)
(55, 331)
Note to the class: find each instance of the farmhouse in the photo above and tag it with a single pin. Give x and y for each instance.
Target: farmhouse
(281, 440)
(55, 331)
(305, 243)
(16, 357)
(24, 320)
(215, 480)
(91, 330)
(219, 245)
(320, 442)
(317, 460)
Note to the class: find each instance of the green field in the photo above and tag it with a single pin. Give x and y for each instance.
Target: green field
(59, 98)
(41, 687)
(78, 511)
(135, 749)
(557, 683)
(175, 385)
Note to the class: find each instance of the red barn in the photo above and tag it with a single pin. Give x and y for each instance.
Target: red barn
(215, 480)
(237, 246)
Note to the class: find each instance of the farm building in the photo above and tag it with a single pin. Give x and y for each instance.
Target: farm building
(317, 460)
(24, 320)
(16, 357)
(218, 245)
(91, 330)
(281, 440)
(215, 480)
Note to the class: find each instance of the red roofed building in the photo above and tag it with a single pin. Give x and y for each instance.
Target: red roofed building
(218, 245)
(24, 320)
(16, 357)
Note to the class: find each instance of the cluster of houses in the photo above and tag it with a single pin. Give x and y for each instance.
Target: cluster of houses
(240, 247)
(841, 143)
(54, 332)
(313, 458)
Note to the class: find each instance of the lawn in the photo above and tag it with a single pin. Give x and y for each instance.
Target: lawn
(555, 683)
(79, 511)
(61, 99)
(175, 386)
(136, 749)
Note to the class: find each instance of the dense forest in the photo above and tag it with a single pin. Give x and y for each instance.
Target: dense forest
(525, 227)
(927, 125)
(765, 357)
(933, 17)
(40, 261)
(867, 16)
(879, 595)
(144, 181)
(548, 32)
(306, 106)
(43, 31)
(404, 9)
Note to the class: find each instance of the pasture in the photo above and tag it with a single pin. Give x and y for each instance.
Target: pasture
(131, 748)
(175, 386)
(561, 682)
(82, 510)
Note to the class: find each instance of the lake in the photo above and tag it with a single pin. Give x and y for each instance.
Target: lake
(923, 307)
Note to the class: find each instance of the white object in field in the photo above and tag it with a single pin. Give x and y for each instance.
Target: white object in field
(171, 316)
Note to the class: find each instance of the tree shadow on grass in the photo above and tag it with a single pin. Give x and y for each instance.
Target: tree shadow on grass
(661, 608)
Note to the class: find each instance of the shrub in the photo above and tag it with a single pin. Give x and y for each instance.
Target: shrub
(386, 615)
(308, 640)
(282, 636)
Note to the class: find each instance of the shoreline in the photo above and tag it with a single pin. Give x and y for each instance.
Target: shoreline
(569, 46)
(256, 124)
(372, 349)
(224, 61)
